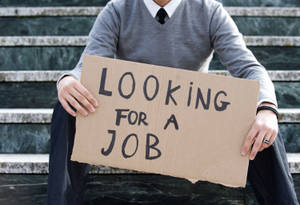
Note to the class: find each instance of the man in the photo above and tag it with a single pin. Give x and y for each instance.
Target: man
(181, 34)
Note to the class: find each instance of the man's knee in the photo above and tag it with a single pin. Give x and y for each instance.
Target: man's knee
(59, 113)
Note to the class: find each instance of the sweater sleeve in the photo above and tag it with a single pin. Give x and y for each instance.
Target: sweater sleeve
(102, 39)
(229, 44)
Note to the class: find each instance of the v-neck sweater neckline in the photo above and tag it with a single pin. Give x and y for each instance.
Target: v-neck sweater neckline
(154, 22)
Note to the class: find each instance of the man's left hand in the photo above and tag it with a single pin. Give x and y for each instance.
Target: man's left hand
(264, 127)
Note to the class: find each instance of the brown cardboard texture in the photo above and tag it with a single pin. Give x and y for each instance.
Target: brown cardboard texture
(164, 120)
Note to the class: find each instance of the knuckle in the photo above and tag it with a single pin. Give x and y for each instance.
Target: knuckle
(80, 98)
(256, 146)
(73, 102)
(249, 138)
(66, 87)
(87, 104)
(60, 93)
(86, 93)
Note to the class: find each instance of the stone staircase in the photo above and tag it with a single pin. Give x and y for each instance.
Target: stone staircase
(41, 39)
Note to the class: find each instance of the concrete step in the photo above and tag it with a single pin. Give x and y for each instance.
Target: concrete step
(81, 25)
(53, 75)
(66, 57)
(35, 138)
(38, 164)
(43, 116)
(13, 41)
(40, 116)
(94, 11)
(268, 3)
(128, 189)
(37, 3)
(44, 94)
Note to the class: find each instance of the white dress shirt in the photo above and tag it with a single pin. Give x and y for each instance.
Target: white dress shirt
(169, 8)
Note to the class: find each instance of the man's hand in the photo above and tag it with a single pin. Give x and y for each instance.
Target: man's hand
(265, 126)
(73, 92)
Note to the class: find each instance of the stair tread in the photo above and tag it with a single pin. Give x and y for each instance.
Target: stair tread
(52, 76)
(94, 10)
(38, 164)
(11, 41)
(286, 115)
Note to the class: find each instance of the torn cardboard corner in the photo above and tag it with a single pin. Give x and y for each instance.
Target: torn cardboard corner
(167, 121)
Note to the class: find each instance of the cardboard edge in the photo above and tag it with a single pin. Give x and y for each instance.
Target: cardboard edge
(193, 181)
(200, 73)
(167, 67)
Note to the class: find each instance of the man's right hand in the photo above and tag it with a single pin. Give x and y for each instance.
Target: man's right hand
(73, 92)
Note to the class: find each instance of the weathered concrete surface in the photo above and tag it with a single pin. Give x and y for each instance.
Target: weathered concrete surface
(52, 76)
(93, 11)
(82, 40)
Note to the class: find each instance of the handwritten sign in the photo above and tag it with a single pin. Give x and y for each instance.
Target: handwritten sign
(165, 120)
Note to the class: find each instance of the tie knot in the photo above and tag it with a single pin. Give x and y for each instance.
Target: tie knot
(161, 15)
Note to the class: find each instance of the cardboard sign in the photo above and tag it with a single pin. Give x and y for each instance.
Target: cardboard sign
(165, 120)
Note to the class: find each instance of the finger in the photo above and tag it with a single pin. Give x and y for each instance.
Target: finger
(273, 137)
(257, 144)
(76, 105)
(268, 139)
(82, 100)
(249, 140)
(86, 94)
(264, 144)
(261, 148)
(67, 107)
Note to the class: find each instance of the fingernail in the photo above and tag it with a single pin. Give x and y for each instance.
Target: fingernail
(93, 109)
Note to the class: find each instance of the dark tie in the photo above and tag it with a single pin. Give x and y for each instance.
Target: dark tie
(161, 15)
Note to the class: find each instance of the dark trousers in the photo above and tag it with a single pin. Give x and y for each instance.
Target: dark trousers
(268, 174)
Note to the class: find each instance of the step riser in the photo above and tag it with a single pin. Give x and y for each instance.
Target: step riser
(25, 138)
(35, 26)
(61, 58)
(28, 95)
(35, 3)
(44, 94)
(279, 3)
(268, 26)
(34, 138)
(130, 189)
(125, 189)
(273, 58)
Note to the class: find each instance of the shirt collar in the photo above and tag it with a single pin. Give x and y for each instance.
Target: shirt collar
(169, 8)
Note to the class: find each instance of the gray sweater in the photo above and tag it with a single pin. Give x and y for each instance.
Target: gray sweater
(126, 30)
